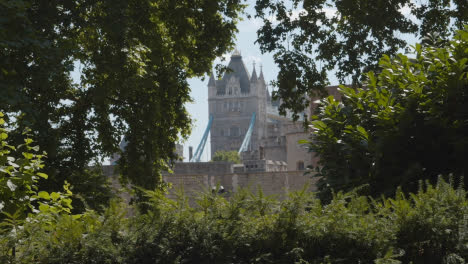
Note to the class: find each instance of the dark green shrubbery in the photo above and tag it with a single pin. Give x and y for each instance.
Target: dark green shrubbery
(39, 227)
(426, 227)
(410, 122)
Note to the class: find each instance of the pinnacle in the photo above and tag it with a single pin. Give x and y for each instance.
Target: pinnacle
(254, 74)
(236, 53)
(211, 82)
(261, 74)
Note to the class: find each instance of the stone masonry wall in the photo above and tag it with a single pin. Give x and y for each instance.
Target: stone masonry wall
(272, 183)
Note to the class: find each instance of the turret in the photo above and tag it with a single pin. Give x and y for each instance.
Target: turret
(253, 79)
(260, 78)
(211, 86)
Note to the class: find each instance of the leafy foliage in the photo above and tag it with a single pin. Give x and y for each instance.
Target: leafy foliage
(426, 227)
(20, 198)
(311, 38)
(410, 122)
(133, 57)
(19, 174)
(231, 156)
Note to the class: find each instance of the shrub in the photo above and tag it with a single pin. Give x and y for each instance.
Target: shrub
(408, 123)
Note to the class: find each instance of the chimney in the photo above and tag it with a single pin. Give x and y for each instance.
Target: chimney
(190, 152)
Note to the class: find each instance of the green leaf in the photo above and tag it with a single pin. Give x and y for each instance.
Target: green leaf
(44, 207)
(319, 124)
(44, 195)
(3, 136)
(55, 196)
(66, 203)
(28, 155)
(43, 175)
(362, 131)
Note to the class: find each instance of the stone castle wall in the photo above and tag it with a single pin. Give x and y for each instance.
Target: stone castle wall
(272, 183)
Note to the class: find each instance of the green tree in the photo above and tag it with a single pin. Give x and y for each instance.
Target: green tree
(310, 38)
(231, 156)
(134, 58)
(410, 122)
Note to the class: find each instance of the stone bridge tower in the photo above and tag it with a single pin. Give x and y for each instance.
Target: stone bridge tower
(232, 101)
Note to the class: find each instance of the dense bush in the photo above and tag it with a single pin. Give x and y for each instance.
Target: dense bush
(429, 226)
(409, 123)
(426, 227)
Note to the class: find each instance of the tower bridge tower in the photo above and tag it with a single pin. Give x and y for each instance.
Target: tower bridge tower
(232, 101)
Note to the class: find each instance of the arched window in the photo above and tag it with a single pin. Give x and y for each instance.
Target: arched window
(300, 165)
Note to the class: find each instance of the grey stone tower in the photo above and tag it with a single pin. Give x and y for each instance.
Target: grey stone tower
(232, 101)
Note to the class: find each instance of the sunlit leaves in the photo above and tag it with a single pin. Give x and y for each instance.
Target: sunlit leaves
(18, 181)
(408, 123)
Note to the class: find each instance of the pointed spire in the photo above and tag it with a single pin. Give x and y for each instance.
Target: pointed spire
(236, 53)
(261, 78)
(261, 74)
(254, 74)
(268, 95)
(211, 82)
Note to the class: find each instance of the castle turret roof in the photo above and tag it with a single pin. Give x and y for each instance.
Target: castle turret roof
(236, 68)
(261, 78)
(254, 75)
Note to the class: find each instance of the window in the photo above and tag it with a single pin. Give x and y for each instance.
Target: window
(300, 165)
(234, 132)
